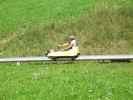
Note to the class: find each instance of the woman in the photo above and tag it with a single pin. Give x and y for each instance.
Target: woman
(67, 49)
(70, 45)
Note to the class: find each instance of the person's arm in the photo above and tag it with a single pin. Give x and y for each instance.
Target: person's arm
(69, 47)
(63, 45)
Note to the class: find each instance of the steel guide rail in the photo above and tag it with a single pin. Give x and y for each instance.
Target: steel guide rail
(80, 58)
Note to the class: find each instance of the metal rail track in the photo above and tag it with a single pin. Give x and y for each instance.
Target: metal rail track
(80, 58)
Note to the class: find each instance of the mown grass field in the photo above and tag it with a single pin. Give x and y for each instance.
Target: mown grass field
(21, 13)
(75, 81)
(23, 23)
(31, 27)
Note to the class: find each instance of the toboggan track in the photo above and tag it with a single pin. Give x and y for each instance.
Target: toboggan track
(80, 58)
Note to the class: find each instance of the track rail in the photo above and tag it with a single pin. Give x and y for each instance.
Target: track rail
(80, 58)
(106, 57)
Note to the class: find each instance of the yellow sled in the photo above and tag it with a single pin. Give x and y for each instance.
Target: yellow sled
(72, 53)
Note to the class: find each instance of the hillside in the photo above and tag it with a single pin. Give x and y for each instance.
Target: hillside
(31, 27)
(77, 81)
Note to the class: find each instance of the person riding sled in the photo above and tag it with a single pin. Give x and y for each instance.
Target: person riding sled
(68, 49)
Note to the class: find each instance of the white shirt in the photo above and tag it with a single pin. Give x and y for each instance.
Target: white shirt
(73, 43)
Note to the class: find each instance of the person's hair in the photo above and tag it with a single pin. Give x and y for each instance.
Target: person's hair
(71, 37)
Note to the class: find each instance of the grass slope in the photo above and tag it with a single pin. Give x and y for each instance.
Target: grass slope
(79, 81)
(19, 13)
(31, 27)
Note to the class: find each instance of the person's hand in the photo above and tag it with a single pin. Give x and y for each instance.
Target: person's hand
(59, 45)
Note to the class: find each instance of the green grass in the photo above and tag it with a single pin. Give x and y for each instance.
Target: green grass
(77, 81)
(31, 27)
(21, 13)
